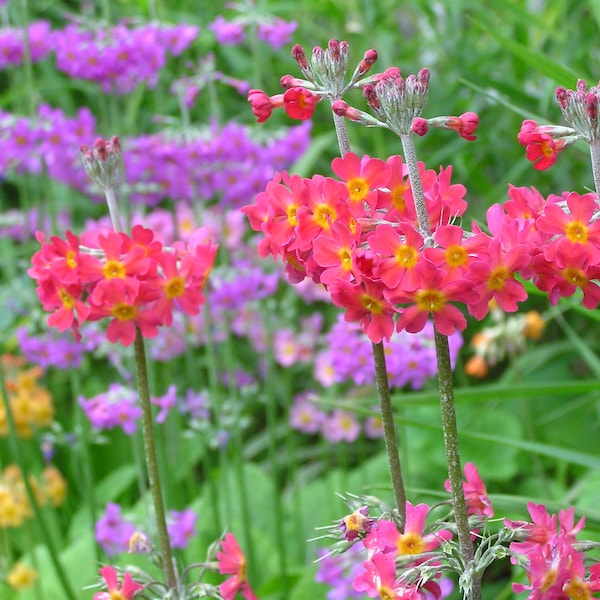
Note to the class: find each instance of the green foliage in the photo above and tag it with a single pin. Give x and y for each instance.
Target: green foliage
(532, 430)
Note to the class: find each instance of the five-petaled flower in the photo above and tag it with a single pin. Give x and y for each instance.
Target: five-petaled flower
(127, 591)
(231, 561)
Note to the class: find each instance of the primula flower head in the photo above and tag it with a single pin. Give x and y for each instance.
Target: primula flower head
(127, 591)
(231, 561)
(299, 103)
(475, 492)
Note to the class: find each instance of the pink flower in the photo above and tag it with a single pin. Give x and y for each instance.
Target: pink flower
(299, 103)
(475, 491)
(232, 561)
(127, 591)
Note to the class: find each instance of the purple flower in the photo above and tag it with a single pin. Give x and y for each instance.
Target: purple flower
(181, 527)
(177, 38)
(196, 404)
(339, 572)
(305, 416)
(373, 427)
(228, 33)
(115, 408)
(50, 349)
(112, 531)
(166, 403)
(276, 33)
(341, 426)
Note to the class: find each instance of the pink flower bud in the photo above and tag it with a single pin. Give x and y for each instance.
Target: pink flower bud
(342, 109)
(419, 126)
(300, 57)
(367, 62)
(591, 106)
(371, 97)
(561, 97)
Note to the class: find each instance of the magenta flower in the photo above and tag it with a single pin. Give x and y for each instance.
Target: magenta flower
(277, 33)
(181, 527)
(475, 492)
(112, 531)
(228, 33)
(127, 591)
(166, 403)
(341, 426)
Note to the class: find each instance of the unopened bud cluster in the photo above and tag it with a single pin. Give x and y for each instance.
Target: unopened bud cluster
(103, 161)
(580, 109)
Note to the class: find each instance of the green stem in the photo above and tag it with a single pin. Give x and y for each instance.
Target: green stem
(342, 133)
(595, 158)
(113, 209)
(389, 429)
(84, 460)
(22, 464)
(450, 429)
(416, 185)
(381, 379)
(152, 462)
(446, 388)
(273, 383)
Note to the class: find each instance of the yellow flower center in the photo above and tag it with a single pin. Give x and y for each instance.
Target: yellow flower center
(577, 232)
(175, 287)
(577, 590)
(291, 211)
(66, 298)
(70, 259)
(497, 278)
(385, 593)
(398, 201)
(410, 543)
(406, 256)
(345, 258)
(358, 189)
(456, 256)
(431, 300)
(371, 304)
(324, 215)
(124, 312)
(575, 276)
(114, 269)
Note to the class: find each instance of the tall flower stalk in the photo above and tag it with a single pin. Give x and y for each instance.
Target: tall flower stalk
(399, 230)
(103, 165)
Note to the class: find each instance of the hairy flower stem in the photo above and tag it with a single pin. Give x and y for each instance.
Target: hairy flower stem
(342, 133)
(113, 210)
(595, 158)
(381, 379)
(389, 430)
(450, 428)
(152, 462)
(147, 429)
(446, 388)
(416, 186)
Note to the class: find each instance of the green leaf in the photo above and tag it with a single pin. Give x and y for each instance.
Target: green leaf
(554, 71)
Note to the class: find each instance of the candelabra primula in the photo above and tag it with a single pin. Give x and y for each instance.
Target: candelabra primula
(387, 243)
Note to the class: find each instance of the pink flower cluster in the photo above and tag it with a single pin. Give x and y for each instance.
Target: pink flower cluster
(385, 542)
(134, 281)
(360, 238)
(555, 567)
(389, 571)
